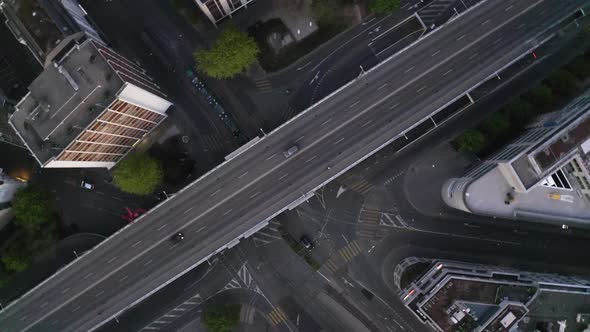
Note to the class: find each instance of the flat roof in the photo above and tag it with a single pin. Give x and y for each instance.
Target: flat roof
(68, 95)
(487, 195)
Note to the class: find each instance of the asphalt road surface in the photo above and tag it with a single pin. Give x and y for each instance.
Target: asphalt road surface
(260, 182)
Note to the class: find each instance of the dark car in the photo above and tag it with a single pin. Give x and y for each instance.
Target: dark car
(177, 237)
(306, 242)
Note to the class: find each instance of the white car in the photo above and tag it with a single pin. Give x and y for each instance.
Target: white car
(86, 185)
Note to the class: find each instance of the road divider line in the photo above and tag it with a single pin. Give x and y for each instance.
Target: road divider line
(243, 174)
(435, 53)
(338, 141)
(200, 229)
(254, 195)
(215, 192)
(111, 260)
(382, 86)
(354, 104)
(160, 228)
(269, 158)
(447, 72)
(325, 122)
(408, 70)
(136, 243)
(366, 123)
(228, 211)
(299, 139)
(310, 159)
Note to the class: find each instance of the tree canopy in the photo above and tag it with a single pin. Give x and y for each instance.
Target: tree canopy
(471, 141)
(562, 82)
(383, 6)
(541, 96)
(31, 207)
(496, 125)
(580, 67)
(232, 52)
(221, 318)
(138, 174)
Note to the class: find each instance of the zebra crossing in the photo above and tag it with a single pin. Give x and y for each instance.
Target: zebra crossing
(374, 225)
(269, 234)
(212, 143)
(355, 184)
(174, 314)
(343, 256)
(276, 316)
(263, 84)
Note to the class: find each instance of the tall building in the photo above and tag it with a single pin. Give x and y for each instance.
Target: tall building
(542, 176)
(459, 296)
(217, 10)
(89, 106)
(42, 24)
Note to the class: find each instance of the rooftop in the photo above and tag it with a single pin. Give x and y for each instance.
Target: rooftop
(76, 85)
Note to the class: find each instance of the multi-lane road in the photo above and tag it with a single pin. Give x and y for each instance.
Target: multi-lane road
(260, 182)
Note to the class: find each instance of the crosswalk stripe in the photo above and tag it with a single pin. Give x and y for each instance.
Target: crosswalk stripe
(277, 315)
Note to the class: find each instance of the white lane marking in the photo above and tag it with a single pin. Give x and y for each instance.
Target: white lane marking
(354, 104)
(435, 53)
(521, 26)
(299, 139)
(123, 278)
(323, 123)
(254, 195)
(76, 309)
(447, 72)
(200, 229)
(472, 56)
(111, 260)
(44, 304)
(88, 275)
(213, 194)
(461, 37)
(422, 88)
(243, 174)
(310, 159)
(381, 87)
(338, 141)
(228, 211)
(394, 106)
(409, 70)
(486, 22)
(269, 158)
(65, 290)
(136, 243)
(283, 176)
(23, 317)
(148, 262)
(160, 228)
(173, 246)
(99, 294)
(323, 276)
(366, 123)
(497, 40)
(508, 8)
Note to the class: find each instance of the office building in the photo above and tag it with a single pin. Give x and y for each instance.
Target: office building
(88, 108)
(42, 24)
(217, 10)
(458, 296)
(541, 176)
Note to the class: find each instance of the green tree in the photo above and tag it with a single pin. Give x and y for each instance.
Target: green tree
(232, 52)
(496, 125)
(221, 318)
(519, 111)
(541, 96)
(562, 82)
(326, 11)
(138, 174)
(31, 207)
(579, 67)
(383, 6)
(471, 141)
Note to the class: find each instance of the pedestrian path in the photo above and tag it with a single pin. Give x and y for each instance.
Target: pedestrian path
(268, 234)
(374, 225)
(170, 316)
(243, 279)
(343, 256)
(276, 316)
(263, 84)
(355, 184)
(291, 112)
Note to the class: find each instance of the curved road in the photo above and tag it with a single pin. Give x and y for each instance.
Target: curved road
(259, 183)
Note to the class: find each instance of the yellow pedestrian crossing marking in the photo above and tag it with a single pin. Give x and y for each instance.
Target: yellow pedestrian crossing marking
(330, 265)
(350, 251)
(362, 187)
(277, 315)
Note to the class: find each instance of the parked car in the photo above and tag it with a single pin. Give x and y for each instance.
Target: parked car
(86, 185)
(306, 242)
